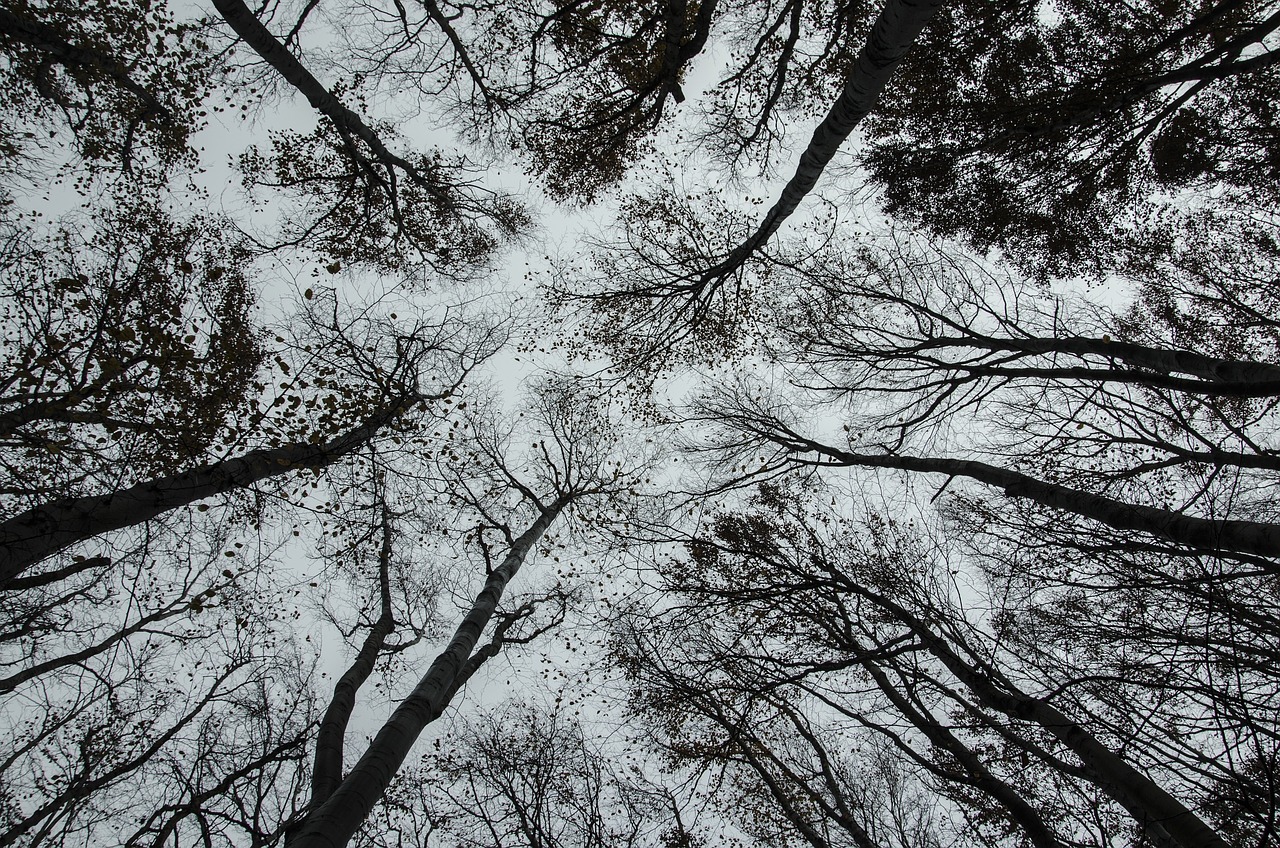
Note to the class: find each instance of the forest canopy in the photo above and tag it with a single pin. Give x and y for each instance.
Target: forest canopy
(671, 424)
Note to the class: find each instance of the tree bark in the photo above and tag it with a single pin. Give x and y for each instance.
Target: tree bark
(336, 820)
(34, 581)
(42, 531)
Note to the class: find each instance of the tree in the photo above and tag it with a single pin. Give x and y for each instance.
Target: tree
(1089, 424)
(369, 205)
(158, 664)
(1039, 132)
(1164, 632)
(521, 775)
(583, 90)
(145, 704)
(751, 430)
(1074, 644)
(797, 634)
(567, 473)
(674, 285)
(126, 79)
(1085, 410)
(401, 610)
(613, 73)
(313, 428)
(116, 324)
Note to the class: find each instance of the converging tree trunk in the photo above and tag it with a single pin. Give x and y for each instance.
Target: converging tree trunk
(1202, 534)
(246, 24)
(1161, 815)
(336, 820)
(896, 29)
(1230, 536)
(42, 531)
(326, 772)
(1214, 375)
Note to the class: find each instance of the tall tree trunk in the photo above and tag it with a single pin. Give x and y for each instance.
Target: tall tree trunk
(42, 531)
(1164, 818)
(1026, 816)
(1244, 537)
(1237, 377)
(251, 30)
(894, 31)
(336, 820)
(326, 774)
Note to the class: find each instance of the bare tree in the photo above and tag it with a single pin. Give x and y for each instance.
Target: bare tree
(572, 466)
(166, 664)
(526, 776)
(820, 623)
(150, 703)
(949, 367)
(356, 387)
(370, 205)
(673, 287)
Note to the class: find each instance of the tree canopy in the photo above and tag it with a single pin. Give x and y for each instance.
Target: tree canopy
(647, 424)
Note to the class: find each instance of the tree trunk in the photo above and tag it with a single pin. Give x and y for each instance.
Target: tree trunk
(895, 30)
(1026, 816)
(246, 25)
(42, 531)
(1163, 817)
(1202, 534)
(336, 820)
(326, 774)
(1244, 378)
